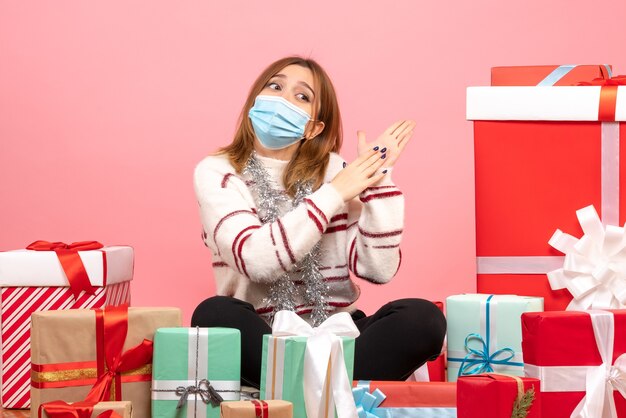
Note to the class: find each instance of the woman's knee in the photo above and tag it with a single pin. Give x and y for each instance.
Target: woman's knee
(427, 310)
(413, 307)
(213, 311)
(422, 318)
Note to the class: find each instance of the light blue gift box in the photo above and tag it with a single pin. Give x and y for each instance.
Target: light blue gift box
(189, 360)
(485, 333)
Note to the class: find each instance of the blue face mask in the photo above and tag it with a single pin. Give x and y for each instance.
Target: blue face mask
(276, 122)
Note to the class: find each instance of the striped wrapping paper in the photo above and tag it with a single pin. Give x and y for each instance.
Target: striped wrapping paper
(16, 306)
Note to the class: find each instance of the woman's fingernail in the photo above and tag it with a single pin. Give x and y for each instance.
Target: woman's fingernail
(376, 148)
(383, 150)
(345, 164)
(384, 171)
(383, 156)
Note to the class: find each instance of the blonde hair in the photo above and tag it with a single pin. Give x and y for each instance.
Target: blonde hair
(310, 160)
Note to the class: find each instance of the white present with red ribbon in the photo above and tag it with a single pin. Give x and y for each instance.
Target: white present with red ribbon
(39, 280)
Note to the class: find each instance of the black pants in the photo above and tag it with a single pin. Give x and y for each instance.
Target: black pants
(394, 342)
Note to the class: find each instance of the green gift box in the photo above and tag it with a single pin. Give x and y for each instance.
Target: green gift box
(282, 370)
(485, 333)
(190, 366)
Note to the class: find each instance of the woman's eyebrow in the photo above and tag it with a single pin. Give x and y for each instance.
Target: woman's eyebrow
(307, 86)
(302, 83)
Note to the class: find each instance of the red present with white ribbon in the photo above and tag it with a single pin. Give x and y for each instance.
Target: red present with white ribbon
(594, 270)
(395, 399)
(580, 359)
(39, 280)
(495, 395)
(547, 75)
(541, 153)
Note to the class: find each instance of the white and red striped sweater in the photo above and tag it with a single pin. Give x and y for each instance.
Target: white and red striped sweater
(362, 237)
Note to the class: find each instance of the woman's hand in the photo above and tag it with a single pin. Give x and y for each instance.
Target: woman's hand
(393, 140)
(359, 174)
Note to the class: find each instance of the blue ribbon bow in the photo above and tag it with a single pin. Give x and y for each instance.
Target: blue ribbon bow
(480, 360)
(366, 402)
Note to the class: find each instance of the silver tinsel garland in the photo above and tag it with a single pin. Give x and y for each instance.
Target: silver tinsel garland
(283, 292)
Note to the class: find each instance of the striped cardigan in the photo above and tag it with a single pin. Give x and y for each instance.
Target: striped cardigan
(362, 236)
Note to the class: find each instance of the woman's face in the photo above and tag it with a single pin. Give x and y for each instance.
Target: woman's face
(295, 84)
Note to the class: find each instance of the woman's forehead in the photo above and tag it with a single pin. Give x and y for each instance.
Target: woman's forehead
(296, 73)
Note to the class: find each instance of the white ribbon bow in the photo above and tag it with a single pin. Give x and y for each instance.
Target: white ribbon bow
(594, 271)
(323, 359)
(603, 379)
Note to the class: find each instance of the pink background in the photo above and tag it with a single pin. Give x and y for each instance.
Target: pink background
(106, 107)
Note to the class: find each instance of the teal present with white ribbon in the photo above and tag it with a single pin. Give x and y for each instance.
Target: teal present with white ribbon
(310, 367)
(193, 370)
(485, 333)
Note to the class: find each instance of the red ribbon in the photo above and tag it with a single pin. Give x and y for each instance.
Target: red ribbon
(261, 409)
(71, 262)
(61, 409)
(111, 330)
(608, 95)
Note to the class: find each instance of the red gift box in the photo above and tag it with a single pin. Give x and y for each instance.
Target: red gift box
(406, 399)
(538, 158)
(561, 348)
(555, 75)
(35, 281)
(431, 371)
(437, 369)
(413, 394)
(493, 395)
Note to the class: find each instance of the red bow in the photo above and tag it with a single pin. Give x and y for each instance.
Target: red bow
(71, 262)
(608, 95)
(618, 80)
(111, 330)
(61, 409)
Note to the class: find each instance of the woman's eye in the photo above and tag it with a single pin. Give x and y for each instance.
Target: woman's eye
(274, 86)
(302, 97)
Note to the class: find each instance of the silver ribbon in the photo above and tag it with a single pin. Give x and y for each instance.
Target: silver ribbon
(203, 388)
(557, 74)
(181, 390)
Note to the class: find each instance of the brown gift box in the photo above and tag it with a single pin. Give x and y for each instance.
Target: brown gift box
(59, 337)
(247, 409)
(14, 413)
(124, 408)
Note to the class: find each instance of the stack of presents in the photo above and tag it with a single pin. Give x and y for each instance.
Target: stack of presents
(545, 336)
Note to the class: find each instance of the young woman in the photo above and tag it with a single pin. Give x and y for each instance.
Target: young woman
(287, 219)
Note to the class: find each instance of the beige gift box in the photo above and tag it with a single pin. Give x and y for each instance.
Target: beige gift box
(248, 409)
(124, 408)
(63, 355)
